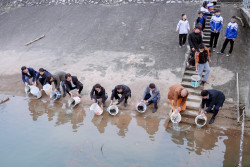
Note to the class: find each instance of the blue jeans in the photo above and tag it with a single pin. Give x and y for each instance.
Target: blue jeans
(27, 79)
(154, 100)
(63, 87)
(202, 67)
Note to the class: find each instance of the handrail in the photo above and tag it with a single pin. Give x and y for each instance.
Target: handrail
(238, 97)
(241, 139)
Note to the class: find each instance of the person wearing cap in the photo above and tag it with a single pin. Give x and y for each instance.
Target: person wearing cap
(98, 92)
(216, 24)
(125, 93)
(177, 96)
(194, 40)
(43, 74)
(27, 74)
(58, 78)
(201, 19)
(151, 95)
(72, 83)
(183, 28)
(230, 36)
(213, 100)
(202, 62)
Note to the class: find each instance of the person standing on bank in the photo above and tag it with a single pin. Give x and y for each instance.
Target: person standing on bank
(230, 36)
(98, 92)
(177, 96)
(43, 74)
(183, 28)
(125, 93)
(216, 24)
(202, 62)
(27, 74)
(72, 83)
(212, 99)
(151, 95)
(58, 78)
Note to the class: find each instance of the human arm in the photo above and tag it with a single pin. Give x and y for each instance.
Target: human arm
(178, 26)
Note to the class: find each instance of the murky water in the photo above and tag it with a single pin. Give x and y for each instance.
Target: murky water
(41, 133)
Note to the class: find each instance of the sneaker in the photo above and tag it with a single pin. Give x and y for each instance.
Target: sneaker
(154, 110)
(219, 53)
(179, 46)
(214, 49)
(228, 54)
(211, 120)
(125, 104)
(183, 45)
(204, 82)
(64, 94)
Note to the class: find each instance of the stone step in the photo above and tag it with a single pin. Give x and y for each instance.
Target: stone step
(188, 78)
(194, 98)
(207, 33)
(193, 105)
(192, 91)
(207, 30)
(189, 113)
(206, 40)
(189, 72)
(206, 37)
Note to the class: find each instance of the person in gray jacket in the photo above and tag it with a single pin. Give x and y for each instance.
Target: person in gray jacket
(58, 78)
(151, 95)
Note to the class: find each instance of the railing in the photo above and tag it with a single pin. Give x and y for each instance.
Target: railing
(241, 139)
(246, 4)
(238, 97)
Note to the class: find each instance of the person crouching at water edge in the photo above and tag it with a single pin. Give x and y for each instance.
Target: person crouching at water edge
(212, 99)
(125, 93)
(72, 83)
(177, 96)
(27, 74)
(58, 78)
(151, 95)
(43, 74)
(98, 92)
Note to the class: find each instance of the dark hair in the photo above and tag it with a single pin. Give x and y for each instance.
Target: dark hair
(67, 75)
(204, 93)
(183, 15)
(198, 26)
(97, 86)
(118, 87)
(42, 70)
(49, 78)
(23, 68)
(233, 17)
(200, 12)
(152, 85)
(204, 4)
(217, 10)
(201, 46)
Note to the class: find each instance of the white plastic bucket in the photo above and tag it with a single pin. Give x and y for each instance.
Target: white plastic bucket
(141, 107)
(72, 102)
(55, 95)
(35, 91)
(113, 110)
(27, 89)
(195, 81)
(175, 118)
(47, 89)
(96, 108)
(201, 120)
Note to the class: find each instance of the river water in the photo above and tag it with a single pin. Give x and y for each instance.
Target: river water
(40, 133)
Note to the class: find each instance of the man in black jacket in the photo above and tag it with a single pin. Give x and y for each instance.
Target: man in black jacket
(124, 91)
(194, 40)
(71, 82)
(43, 74)
(98, 92)
(201, 19)
(212, 98)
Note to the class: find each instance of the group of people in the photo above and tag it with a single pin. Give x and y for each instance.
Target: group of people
(200, 55)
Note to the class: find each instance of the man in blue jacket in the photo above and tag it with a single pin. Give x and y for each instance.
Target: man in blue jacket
(151, 95)
(43, 74)
(28, 73)
(230, 36)
(216, 25)
(213, 99)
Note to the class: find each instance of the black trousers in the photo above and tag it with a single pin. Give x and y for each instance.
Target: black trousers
(225, 45)
(182, 39)
(214, 39)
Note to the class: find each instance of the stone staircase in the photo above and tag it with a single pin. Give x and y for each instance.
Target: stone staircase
(194, 98)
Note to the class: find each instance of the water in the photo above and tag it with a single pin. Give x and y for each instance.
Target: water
(38, 133)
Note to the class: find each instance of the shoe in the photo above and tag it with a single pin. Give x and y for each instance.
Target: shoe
(219, 53)
(214, 49)
(211, 120)
(154, 110)
(125, 104)
(64, 94)
(183, 45)
(204, 82)
(179, 46)
(228, 54)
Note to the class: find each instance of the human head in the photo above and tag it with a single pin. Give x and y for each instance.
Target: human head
(152, 86)
(24, 69)
(200, 14)
(217, 12)
(233, 19)
(50, 78)
(204, 94)
(41, 71)
(198, 28)
(204, 4)
(184, 92)
(201, 47)
(97, 87)
(68, 77)
(184, 16)
(119, 88)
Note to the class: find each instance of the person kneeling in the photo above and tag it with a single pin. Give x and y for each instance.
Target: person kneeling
(98, 92)
(124, 91)
(72, 83)
(151, 95)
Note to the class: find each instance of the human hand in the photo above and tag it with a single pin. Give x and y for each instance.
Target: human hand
(225, 37)
(26, 84)
(176, 111)
(210, 61)
(233, 39)
(193, 49)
